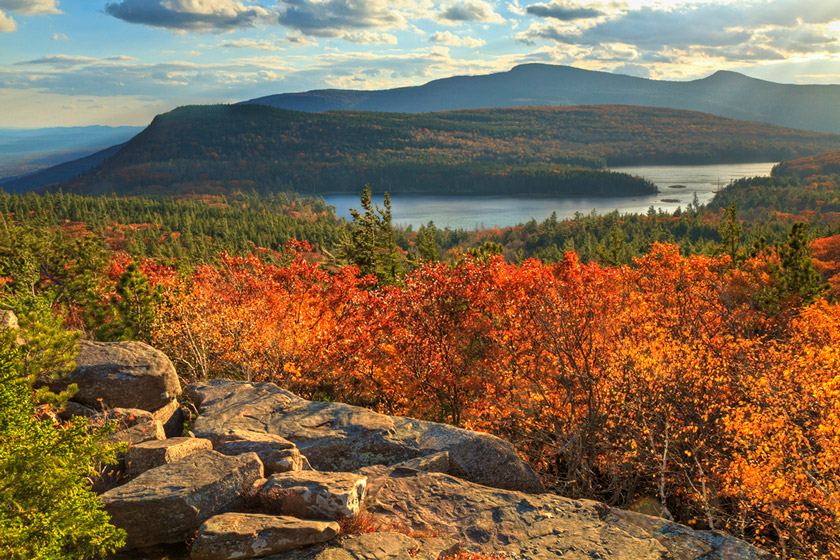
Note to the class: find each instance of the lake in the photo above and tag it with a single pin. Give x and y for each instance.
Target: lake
(478, 212)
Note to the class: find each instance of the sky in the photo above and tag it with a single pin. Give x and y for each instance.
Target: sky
(121, 62)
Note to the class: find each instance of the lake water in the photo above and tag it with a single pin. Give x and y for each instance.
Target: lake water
(477, 212)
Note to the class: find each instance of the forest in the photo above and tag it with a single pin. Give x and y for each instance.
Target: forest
(689, 358)
(537, 150)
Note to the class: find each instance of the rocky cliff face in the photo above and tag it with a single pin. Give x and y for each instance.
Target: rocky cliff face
(267, 474)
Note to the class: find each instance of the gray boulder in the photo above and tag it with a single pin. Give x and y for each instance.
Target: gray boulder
(8, 320)
(150, 454)
(121, 375)
(340, 437)
(383, 545)
(276, 453)
(231, 536)
(528, 526)
(133, 425)
(313, 495)
(167, 504)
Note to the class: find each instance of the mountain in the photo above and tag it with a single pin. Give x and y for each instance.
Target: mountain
(536, 150)
(729, 94)
(27, 150)
(57, 173)
(820, 164)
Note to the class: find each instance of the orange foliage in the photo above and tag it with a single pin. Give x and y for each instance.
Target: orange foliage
(661, 378)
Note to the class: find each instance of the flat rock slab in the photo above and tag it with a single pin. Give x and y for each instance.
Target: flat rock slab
(133, 426)
(340, 437)
(375, 546)
(121, 375)
(232, 536)
(150, 454)
(276, 453)
(529, 526)
(683, 543)
(314, 495)
(168, 503)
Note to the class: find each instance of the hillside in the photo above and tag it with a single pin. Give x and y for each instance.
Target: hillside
(822, 164)
(537, 150)
(733, 95)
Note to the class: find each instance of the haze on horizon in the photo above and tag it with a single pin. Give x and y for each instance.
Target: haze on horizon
(121, 62)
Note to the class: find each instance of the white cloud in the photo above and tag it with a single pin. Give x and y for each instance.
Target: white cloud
(335, 18)
(30, 7)
(7, 24)
(260, 45)
(447, 38)
(370, 38)
(189, 15)
(563, 11)
(59, 37)
(469, 10)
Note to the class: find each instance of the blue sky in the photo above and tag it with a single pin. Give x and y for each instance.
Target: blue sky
(120, 62)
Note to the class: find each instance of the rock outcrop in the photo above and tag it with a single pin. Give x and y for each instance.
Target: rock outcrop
(314, 495)
(154, 453)
(121, 375)
(381, 545)
(341, 437)
(232, 536)
(445, 487)
(168, 504)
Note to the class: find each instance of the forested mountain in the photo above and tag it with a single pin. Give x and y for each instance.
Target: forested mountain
(733, 95)
(827, 163)
(536, 150)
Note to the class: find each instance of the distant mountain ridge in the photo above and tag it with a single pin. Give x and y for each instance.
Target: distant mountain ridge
(724, 93)
(24, 151)
(533, 150)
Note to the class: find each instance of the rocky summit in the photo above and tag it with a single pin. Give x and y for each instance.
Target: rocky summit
(267, 474)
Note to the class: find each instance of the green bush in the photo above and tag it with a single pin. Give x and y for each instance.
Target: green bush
(47, 510)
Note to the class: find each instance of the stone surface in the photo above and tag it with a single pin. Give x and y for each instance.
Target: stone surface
(8, 320)
(313, 495)
(71, 409)
(171, 416)
(530, 526)
(122, 375)
(340, 437)
(274, 460)
(168, 503)
(133, 425)
(375, 546)
(682, 542)
(150, 454)
(232, 536)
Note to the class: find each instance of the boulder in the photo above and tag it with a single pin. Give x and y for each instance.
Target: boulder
(684, 543)
(167, 504)
(71, 409)
(171, 416)
(532, 526)
(8, 320)
(313, 495)
(247, 535)
(133, 425)
(150, 454)
(375, 546)
(277, 454)
(121, 375)
(340, 437)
